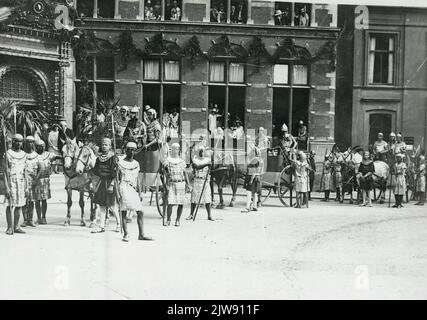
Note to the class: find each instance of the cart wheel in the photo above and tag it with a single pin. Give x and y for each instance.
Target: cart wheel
(286, 191)
(160, 198)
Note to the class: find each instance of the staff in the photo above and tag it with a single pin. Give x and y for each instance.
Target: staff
(7, 176)
(116, 183)
(201, 194)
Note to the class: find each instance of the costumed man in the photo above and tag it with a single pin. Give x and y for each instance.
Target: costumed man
(154, 131)
(326, 185)
(392, 142)
(302, 136)
(16, 160)
(253, 181)
(201, 192)
(145, 116)
(174, 124)
(400, 147)
(337, 172)
(421, 180)
(105, 170)
(32, 168)
(380, 148)
(42, 192)
(135, 130)
(288, 142)
(177, 183)
(365, 180)
(121, 122)
(312, 172)
(302, 188)
(129, 191)
(53, 142)
(166, 126)
(399, 183)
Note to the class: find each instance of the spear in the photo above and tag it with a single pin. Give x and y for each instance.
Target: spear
(6, 176)
(201, 194)
(116, 183)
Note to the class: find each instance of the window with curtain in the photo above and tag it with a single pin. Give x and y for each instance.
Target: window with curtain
(172, 71)
(381, 59)
(217, 72)
(281, 73)
(300, 74)
(237, 72)
(151, 70)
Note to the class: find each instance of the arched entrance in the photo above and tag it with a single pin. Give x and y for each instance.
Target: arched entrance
(27, 86)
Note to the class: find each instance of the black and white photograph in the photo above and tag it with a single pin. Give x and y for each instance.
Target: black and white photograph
(213, 150)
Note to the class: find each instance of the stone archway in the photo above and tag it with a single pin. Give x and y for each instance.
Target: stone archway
(27, 85)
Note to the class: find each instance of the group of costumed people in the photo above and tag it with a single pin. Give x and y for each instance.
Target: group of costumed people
(393, 153)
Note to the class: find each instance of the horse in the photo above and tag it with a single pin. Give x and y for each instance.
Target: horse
(78, 162)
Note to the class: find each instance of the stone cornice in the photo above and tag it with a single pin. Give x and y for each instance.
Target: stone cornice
(192, 28)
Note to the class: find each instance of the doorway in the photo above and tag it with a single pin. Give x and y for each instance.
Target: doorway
(379, 122)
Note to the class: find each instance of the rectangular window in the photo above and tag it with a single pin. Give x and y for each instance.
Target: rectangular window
(217, 72)
(219, 11)
(238, 11)
(105, 8)
(85, 8)
(381, 59)
(105, 68)
(283, 14)
(171, 71)
(105, 91)
(152, 70)
(153, 10)
(300, 74)
(281, 73)
(173, 10)
(302, 14)
(237, 72)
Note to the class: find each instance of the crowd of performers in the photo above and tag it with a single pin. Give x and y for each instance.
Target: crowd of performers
(117, 185)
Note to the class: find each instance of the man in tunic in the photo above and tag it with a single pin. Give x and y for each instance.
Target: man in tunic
(105, 170)
(201, 184)
(288, 142)
(302, 187)
(312, 172)
(129, 191)
(42, 190)
(399, 177)
(122, 122)
(16, 185)
(174, 124)
(302, 136)
(392, 143)
(400, 147)
(52, 141)
(177, 184)
(136, 129)
(32, 167)
(326, 184)
(421, 180)
(153, 131)
(380, 148)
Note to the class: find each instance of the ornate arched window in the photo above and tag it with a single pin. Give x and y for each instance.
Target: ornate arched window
(21, 86)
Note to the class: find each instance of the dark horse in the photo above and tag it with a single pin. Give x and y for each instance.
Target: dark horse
(349, 181)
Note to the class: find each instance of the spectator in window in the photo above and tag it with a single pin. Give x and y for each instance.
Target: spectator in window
(149, 11)
(222, 14)
(286, 17)
(278, 16)
(175, 12)
(241, 16)
(157, 10)
(301, 18)
(233, 14)
(214, 14)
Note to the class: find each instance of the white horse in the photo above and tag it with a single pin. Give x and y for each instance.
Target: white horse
(78, 162)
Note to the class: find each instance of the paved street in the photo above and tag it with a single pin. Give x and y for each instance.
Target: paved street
(327, 251)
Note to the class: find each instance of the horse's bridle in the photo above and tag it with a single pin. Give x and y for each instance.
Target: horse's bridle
(73, 160)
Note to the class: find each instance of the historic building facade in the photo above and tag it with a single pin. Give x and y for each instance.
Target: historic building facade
(263, 62)
(36, 64)
(388, 92)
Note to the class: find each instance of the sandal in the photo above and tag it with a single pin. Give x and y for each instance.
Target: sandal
(246, 210)
(98, 230)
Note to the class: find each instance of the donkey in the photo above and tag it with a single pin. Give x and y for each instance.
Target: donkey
(78, 162)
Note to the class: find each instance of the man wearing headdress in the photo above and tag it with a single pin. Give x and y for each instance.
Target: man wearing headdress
(400, 147)
(32, 167)
(136, 129)
(105, 170)
(302, 136)
(153, 131)
(392, 142)
(174, 124)
(287, 141)
(380, 148)
(16, 185)
(122, 121)
(129, 190)
(42, 189)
